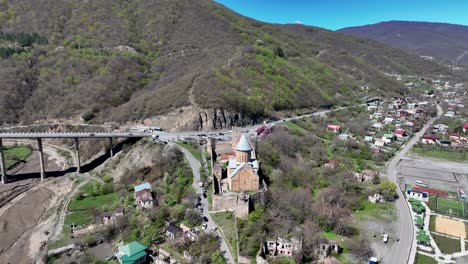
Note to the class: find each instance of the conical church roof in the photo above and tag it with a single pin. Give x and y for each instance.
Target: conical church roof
(243, 144)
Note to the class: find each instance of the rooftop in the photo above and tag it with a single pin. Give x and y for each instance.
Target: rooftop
(142, 186)
(132, 249)
(243, 144)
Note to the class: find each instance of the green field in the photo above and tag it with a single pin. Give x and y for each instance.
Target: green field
(97, 202)
(15, 155)
(422, 259)
(447, 245)
(441, 153)
(227, 223)
(381, 211)
(78, 218)
(450, 207)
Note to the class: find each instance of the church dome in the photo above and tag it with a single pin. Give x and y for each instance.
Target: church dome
(243, 144)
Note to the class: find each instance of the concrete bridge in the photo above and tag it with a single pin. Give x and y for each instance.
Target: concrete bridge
(74, 135)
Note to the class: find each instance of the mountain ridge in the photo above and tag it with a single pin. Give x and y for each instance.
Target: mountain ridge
(206, 66)
(443, 41)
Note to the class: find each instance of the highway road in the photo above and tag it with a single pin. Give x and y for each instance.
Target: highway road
(405, 250)
(195, 165)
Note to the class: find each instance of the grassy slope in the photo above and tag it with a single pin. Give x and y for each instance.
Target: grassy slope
(227, 223)
(14, 155)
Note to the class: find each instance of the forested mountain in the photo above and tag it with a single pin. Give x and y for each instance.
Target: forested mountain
(121, 60)
(443, 41)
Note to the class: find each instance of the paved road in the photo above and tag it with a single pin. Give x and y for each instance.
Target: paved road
(195, 165)
(405, 250)
(224, 134)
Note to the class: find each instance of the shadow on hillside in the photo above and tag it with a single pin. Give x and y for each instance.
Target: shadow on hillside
(84, 168)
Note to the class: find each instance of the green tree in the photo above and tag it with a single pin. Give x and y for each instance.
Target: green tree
(388, 189)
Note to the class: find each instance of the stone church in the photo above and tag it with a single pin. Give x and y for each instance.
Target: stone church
(243, 168)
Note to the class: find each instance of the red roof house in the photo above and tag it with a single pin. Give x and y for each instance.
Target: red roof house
(399, 132)
(334, 128)
(465, 128)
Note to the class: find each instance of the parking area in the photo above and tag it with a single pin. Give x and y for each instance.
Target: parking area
(437, 174)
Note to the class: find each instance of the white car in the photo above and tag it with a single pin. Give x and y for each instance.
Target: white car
(385, 238)
(213, 229)
(204, 226)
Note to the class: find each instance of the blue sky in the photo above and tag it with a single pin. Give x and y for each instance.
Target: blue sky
(336, 14)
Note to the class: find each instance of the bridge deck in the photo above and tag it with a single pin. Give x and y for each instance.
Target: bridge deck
(75, 135)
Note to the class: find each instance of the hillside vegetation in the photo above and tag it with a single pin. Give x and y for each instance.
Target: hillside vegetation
(124, 60)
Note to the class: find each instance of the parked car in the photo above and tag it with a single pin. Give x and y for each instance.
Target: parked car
(204, 226)
(385, 238)
(213, 229)
(200, 209)
(205, 219)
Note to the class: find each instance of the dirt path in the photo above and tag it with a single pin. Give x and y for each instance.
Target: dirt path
(18, 220)
(191, 90)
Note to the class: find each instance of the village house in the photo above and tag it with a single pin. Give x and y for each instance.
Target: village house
(143, 196)
(192, 234)
(343, 136)
(367, 175)
(110, 218)
(173, 232)
(326, 247)
(388, 138)
(334, 128)
(388, 120)
(428, 139)
(282, 247)
(161, 256)
(399, 133)
(420, 196)
(450, 114)
(133, 253)
(379, 143)
(242, 170)
(376, 198)
(377, 126)
(465, 128)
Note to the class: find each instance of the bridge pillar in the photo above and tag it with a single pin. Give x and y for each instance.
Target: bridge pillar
(2, 164)
(77, 153)
(41, 158)
(111, 148)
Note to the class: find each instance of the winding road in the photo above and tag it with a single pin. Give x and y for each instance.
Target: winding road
(195, 165)
(405, 250)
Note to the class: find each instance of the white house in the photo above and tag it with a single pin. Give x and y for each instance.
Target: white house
(420, 196)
